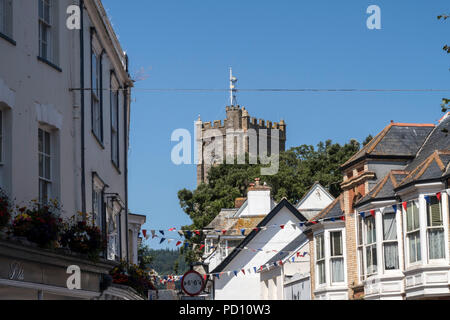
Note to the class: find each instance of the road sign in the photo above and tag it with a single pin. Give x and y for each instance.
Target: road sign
(192, 283)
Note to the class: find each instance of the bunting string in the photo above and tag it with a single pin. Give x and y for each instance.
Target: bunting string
(245, 231)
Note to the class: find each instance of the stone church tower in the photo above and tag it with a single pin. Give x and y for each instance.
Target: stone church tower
(239, 120)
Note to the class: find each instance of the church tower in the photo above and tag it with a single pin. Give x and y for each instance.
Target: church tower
(213, 135)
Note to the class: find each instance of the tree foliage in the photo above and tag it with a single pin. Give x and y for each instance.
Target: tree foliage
(300, 167)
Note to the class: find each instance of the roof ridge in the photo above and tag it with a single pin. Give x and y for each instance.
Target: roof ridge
(422, 167)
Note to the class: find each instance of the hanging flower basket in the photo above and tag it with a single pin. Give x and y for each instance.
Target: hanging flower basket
(39, 224)
(132, 276)
(83, 238)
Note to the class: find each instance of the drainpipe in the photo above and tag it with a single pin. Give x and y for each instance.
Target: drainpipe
(125, 139)
(83, 166)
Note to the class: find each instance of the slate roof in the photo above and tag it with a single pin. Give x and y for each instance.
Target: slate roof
(399, 140)
(283, 203)
(334, 210)
(436, 166)
(384, 189)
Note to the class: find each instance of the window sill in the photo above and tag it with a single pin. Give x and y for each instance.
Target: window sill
(116, 167)
(54, 66)
(98, 140)
(5, 37)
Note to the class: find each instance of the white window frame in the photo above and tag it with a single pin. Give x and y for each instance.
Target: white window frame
(326, 233)
(384, 242)
(428, 228)
(45, 178)
(50, 26)
(98, 203)
(417, 231)
(372, 244)
(321, 260)
(340, 257)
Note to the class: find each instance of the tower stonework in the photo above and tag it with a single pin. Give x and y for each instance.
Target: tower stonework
(214, 135)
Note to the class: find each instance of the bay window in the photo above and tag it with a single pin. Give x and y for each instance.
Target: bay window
(390, 243)
(378, 244)
(413, 232)
(320, 259)
(435, 229)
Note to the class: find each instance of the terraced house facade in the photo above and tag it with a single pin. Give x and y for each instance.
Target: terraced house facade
(387, 235)
(64, 115)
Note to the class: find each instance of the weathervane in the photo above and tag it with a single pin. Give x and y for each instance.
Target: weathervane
(233, 90)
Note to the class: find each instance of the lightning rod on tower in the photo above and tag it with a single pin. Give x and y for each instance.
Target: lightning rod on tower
(233, 90)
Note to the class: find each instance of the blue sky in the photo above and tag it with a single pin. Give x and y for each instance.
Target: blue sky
(271, 44)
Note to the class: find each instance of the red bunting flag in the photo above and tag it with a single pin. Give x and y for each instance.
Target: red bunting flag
(314, 222)
(197, 232)
(205, 276)
(261, 268)
(282, 226)
(144, 232)
(224, 231)
(256, 229)
(178, 243)
(298, 254)
(438, 196)
(405, 205)
(243, 271)
(172, 229)
(343, 218)
(372, 212)
(201, 247)
(281, 262)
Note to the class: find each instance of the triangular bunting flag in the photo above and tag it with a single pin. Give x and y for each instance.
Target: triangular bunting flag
(144, 232)
(372, 213)
(197, 232)
(243, 232)
(243, 271)
(282, 226)
(254, 269)
(161, 231)
(178, 243)
(439, 196)
(343, 218)
(405, 205)
(235, 273)
(427, 198)
(153, 233)
(201, 247)
(362, 214)
(172, 229)
(395, 208)
(186, 245)
(162, 240)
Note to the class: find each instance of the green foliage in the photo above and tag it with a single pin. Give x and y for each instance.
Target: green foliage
(299, 168)
(145, 257)
(166, 262)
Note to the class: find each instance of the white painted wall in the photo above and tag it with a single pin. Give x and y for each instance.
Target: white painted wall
(248, 286)
(34, 94)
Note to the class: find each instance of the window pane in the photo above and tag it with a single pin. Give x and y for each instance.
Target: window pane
(436, 243)
(371, 253)
(337, 270)
(389, 227)
(371, 232)
(47, 143)
(434, 212)
(47, 168)
(360, 230)
(391, 256)
(321, 271)
(319, 247)
(336, 243)
(414, 247)
(409, 218)
(40, 140)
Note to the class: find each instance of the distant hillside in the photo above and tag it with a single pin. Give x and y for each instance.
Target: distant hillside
(168, 262)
